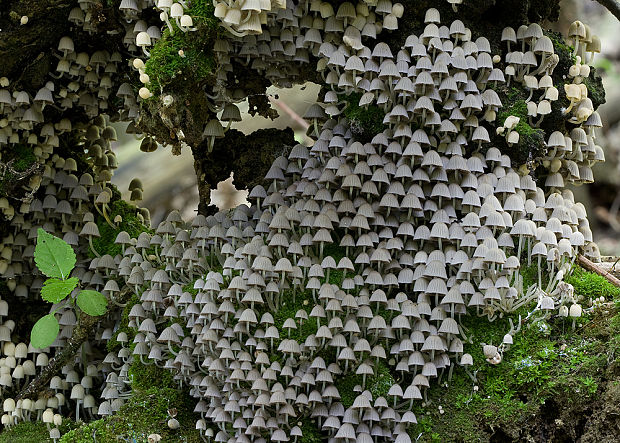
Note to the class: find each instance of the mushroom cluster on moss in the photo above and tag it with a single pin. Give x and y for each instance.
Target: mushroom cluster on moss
(355, 258)
(423, 227)
(65, 201)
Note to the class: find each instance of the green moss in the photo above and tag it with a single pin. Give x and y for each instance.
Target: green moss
(591, 285)
(596, 91)
(310, 432)
(154, 391)
(562, 49)
(24, 158)
(378, 385)
(531, 140)
(190, 288)
(20, 158)
(335, 251)
(131, 224)
(289, 306)
(547, 371)
(365, 122)
(149, 376)
(144, 413)
(335, 277)
(529, 274)
(112, 344)
(202, 12)
(518, 109)
(26, 432)
(32, 432)
(197, 60)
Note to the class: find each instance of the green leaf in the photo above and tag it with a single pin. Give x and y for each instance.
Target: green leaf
(54, 257)
(44, 331)
(92, 302)
(55, 290)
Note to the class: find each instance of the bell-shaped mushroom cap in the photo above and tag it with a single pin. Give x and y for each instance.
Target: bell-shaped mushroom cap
(315, 112)
(90, 229)
(169, 335)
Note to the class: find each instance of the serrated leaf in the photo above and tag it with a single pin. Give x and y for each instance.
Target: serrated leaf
(44, 331)
(55, 290)
(92, 302)
(54, 257)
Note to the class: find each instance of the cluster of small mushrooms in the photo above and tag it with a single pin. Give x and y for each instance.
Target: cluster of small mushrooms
(381, 247)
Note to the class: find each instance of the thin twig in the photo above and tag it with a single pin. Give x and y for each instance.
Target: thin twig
(612, 5)
(286, 108)
(588, 265)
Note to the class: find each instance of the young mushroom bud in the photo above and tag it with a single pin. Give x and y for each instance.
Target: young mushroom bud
(145, 93)
(55, 434)
(575, 313)
(143, 39)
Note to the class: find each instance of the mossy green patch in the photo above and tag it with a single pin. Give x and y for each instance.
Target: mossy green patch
(378, 384)
(548, 371)
(596, 91)
(104, 244)
(149, 376)
(518, 109)
(336, 276)
(113, 344)
(590, 285)
(32, 432)
(24, 158)
(196, 59)
(190, 288)
(289, 305)
(144, 413)
(561, 48)
(531, 140)
(202, 12)
(25, 432)
(366, 122)
(529, 274)
(20, 158)
(335, 251)
(310, 432)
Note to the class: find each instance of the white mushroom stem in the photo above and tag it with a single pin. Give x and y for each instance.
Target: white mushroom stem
(92, 248)
(105, 215)
(576, 45)
(573, 102)
(77, 410)
(164, 17)
(170, 349)
(540, 120)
